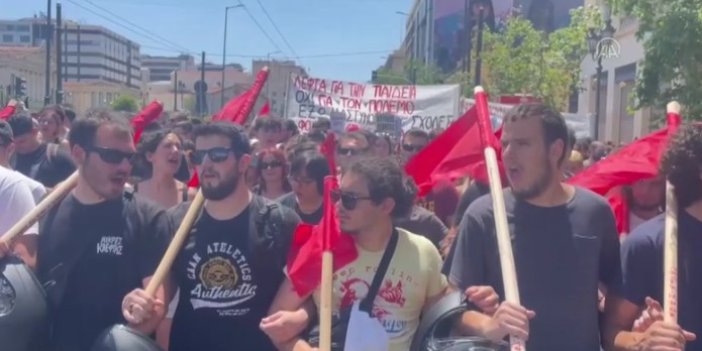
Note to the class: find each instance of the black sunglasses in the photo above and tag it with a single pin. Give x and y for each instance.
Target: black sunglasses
(215, 154)
(412, 148)
(347, 152)
(272, 164)
(348, 200)
(112, 156)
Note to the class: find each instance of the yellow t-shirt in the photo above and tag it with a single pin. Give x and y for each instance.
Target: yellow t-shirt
(413, 276)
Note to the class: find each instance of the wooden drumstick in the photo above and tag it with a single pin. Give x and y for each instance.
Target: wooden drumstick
(46, 204)
(670, 253)
(174, 247)
(504, 242)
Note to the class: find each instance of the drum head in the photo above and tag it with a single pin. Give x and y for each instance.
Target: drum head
(123, 338)
(23, 308)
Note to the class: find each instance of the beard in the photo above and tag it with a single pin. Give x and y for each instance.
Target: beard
(101, 183)
(538, 187)
(224, 188)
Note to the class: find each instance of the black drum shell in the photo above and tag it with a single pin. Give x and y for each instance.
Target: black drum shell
(122, 338)
(24, 320)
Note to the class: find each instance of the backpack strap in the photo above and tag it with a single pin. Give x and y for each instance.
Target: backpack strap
(264, 231)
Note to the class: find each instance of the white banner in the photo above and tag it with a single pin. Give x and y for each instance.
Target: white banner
(382, 108)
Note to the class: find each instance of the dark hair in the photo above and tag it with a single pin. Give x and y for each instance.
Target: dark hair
(301, 147)
(370, 136)
(417, 133)
(552, 123)
(21, 124)
(682, 164)
(386, 179)
(268, 123)
(6, 136)
(84, 130)
(387, 139)
(186, 126)
(358, 136)
(57, 109)
(314, 164)
(70, 114)
(235, 133)
(149, 142)
(322, 123)
(291, 127)
(316, 136)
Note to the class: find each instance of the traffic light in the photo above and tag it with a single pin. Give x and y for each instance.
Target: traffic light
(20, 87)
(374, 76)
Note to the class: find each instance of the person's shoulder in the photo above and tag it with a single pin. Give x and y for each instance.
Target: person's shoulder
(586, 198)
(9, 179)
(286, 200)
(414, 240)
(482, 206)
(647, 234)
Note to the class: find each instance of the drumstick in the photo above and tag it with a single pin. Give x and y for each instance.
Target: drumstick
(670, 252)
(174, 247)
(46, 204)
(504, 242)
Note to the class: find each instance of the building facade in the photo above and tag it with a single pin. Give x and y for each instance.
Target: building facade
(161, 67)
(87, 95)
(233, 76)
(275, 90)
(26, 63)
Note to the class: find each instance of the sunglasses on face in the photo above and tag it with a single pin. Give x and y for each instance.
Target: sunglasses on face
(412, 148)
(347, 152)
(348, 200)
(216, 154)
(111, 156)
(267, 165)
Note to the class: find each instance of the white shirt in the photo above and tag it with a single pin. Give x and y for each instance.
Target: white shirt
(15, 201)
(38, 189)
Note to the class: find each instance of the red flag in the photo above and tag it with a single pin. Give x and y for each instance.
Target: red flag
(265, 110)
(149, 114)
(237, 109)
(304, 262)
(456, 152)
(7, 112)
(328, 149)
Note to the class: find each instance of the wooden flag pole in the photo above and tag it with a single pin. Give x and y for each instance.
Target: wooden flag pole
(670, 253)
(504, 242)
(325, 302)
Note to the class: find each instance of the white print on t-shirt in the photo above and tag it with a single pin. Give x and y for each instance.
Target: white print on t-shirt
(110, 245)
(223, 279)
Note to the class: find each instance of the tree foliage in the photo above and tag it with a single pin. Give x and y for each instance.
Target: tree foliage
(126, 103)
(671, 33)
(413, 73)
(523, 60)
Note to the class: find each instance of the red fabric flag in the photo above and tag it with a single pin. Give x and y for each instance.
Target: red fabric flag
(237, 109)
(456, 152)
(7, 112)
(304, 264)
(328, 149)
(149, 114)
(265, 110)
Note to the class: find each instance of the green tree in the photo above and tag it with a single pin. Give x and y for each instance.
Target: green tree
(523, 60)
(413, 72)
(125, 103)
(671, 33)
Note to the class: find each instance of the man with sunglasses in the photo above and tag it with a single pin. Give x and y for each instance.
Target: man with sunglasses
(43, 162)
(99, 242)
(232, 264)
(350, 148)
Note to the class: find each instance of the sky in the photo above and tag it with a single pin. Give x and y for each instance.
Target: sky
(334, 39)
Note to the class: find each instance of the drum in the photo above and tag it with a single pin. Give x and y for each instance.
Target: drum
(23, 308)
(123, 338)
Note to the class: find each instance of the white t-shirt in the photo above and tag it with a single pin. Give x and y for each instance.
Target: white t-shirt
(38, 189)
(15, 201)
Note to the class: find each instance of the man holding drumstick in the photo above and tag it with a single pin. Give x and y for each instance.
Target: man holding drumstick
(564, 241)
(642, 257)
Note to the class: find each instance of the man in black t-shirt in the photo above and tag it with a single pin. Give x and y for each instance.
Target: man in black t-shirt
(642, 257)
(43, 162)
(564, 241)
(231, 266)
(98, 243)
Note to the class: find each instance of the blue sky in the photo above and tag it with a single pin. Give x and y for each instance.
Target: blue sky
(317, 30)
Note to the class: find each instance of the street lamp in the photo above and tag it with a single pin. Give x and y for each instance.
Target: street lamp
(600, 43)
(224, 45)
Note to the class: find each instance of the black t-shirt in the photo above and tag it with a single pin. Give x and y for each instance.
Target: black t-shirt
(472, 193)
(642, 267)
(226, 283)
(290, 201)
(113, 260)
(37, 165)
(560, 254)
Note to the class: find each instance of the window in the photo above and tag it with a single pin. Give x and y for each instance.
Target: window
(10, 27)
(23, 28)
(24, 38)
(7, 38)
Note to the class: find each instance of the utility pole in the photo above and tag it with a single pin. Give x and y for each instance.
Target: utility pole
(78, 55)
(59, 64)
(65, 52)
(47, 68)
(175, 90)
(466, 37)
(479, 45)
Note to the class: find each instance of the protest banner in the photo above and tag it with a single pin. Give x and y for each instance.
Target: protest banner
(382, 108)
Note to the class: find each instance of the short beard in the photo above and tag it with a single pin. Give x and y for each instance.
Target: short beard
(537, 188)
(225, 188)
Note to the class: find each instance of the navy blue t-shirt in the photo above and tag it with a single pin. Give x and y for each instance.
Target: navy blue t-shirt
(642, 267)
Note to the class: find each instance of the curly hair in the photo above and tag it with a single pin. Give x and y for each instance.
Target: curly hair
(386, 179)
(682, 164)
